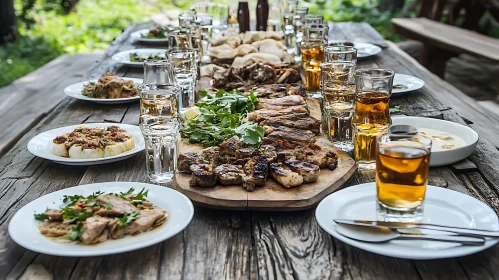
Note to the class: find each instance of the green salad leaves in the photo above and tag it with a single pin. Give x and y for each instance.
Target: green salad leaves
(221, 117)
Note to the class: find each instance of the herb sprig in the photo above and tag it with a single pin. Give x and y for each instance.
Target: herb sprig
(127, 219)
(221, 116)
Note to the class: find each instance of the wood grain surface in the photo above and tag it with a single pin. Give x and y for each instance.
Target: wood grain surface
(224, 244)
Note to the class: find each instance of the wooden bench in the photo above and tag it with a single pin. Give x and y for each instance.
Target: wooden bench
(27, 100)
(443, 41)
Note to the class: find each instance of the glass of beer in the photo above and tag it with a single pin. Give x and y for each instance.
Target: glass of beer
(372, 113)
(312, 52)
(402, 164)
(340, 53)
(338, 90)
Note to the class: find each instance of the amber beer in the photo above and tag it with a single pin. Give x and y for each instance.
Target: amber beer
(401, 176)
(372, 117)
(402, 164)
(372, 112)
(312, 57)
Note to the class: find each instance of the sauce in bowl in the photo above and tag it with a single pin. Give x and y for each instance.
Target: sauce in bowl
(442, 141)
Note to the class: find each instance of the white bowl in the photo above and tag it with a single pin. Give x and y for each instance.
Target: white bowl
(440, 158)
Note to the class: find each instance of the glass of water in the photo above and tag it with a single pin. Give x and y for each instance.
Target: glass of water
(338, 90)
(340, 53)
(184, 62)
(159, 119)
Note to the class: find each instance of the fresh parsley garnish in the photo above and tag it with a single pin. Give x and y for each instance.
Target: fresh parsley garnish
(72, 199)
(221, 117)
(70, 215)
(108, 206)
(41, 216)
(76, 232)
(127, 194)
(127, 219)
(140, 197)
(395, 109)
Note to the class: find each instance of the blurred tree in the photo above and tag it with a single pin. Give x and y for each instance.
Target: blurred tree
(8, 26)
(391, 5)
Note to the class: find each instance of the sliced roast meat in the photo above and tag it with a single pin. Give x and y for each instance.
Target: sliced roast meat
(118, 206)
(53, 228)
(290, 100)
(294, 136)
(246, 153)
(54, 214)
(93, 229)
(263, 114)
(143, 223)
(294, 121)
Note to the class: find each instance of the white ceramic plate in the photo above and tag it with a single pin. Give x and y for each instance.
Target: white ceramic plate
(137, 35)
(411, 83)
(440, 158)
(41, 145)
(74, 91)
(23, 228)
(124, 56)
(442, 206)
(365, 50)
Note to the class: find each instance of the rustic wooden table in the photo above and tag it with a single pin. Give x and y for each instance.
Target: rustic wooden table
(235, 245)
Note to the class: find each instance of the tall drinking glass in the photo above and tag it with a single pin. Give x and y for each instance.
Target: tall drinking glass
(298, 22)
(179, 38)
(205, 23)
(402, 164)
(186, 19)
(314, 19)
(184, 62)
(312, 53)
(338, 90)
(274, 20)
(340, 53)
(372, 113)
(159, 119)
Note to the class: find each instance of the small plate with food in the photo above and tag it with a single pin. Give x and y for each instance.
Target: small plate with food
(364, 50)
(101, 219)
(155, 34)
(107, 89)
(451, 142)
(137, 57)
(88, 144)
(406, 83)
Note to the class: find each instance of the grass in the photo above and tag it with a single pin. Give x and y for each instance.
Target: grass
(91, 28)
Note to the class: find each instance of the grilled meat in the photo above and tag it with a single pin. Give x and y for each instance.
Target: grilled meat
(294, 121)
(228, 174)
(332, 160)
(263, 114)
(246, 153)
(269, 152)
(230, 146)
(290, 100)
(185, 161)
(284, 149)
(284, 176)
(210, 156)
(309, 171)
(295, 136)
(255, 171)
(312, 154)
(203, 175)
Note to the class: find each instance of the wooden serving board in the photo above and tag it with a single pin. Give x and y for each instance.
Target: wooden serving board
(272, 196)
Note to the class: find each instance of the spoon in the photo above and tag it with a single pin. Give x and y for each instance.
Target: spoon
(380, 234)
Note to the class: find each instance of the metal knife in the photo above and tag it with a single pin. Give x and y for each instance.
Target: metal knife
(397, 225)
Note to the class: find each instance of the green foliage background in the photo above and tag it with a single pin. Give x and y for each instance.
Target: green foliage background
(46, 32)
